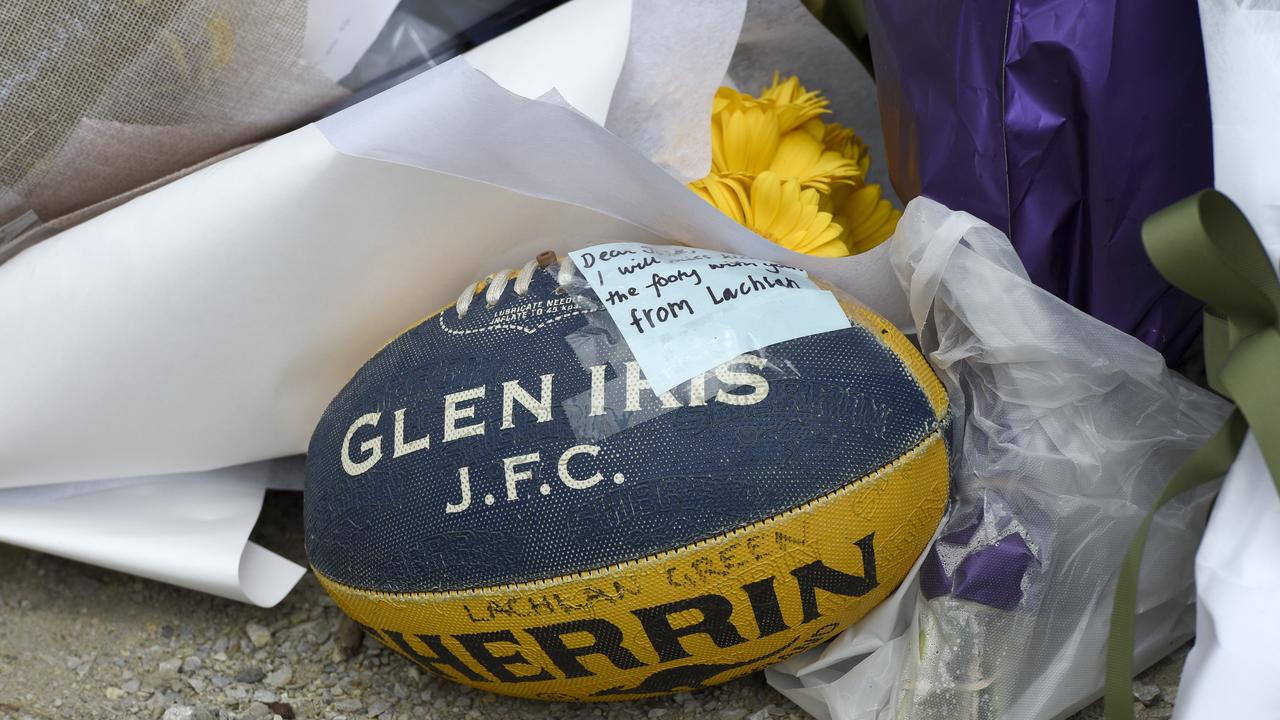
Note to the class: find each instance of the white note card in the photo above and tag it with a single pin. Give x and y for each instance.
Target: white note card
(685, 310)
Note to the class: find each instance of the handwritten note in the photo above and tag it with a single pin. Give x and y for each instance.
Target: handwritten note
(684, 310)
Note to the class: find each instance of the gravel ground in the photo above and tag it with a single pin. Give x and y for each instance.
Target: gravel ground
(82, 642)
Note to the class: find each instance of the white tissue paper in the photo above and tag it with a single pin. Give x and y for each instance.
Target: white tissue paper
(191, 305)
(208, 323)
(1231, 670)
(187, 529)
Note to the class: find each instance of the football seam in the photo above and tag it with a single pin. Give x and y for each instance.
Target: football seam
(935, 434)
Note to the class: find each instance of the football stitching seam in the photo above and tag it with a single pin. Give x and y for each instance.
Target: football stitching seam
(935, 433)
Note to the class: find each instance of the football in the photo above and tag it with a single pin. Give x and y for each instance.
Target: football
(500, 496)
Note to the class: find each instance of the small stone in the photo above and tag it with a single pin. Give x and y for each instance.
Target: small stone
(283, 709)
(259, 635)
(656, 713)
(72, 662)
(1160, 713)
(348, 705)
(221, 681)
(179, 712)
(250, 675)
(1146, 693)
(192, 664)
(348, 638)
(256, 711)
(730, 714)
(196, 683)
(113, 693)
(377, 706)
(279, 677)
(762, 713)
(131, 686)
(264, 695)
(169, 667)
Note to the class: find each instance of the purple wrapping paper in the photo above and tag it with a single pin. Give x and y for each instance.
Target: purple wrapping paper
(990, 575)
(1065, 124)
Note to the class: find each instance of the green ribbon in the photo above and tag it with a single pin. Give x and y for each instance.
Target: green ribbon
(1205, 246)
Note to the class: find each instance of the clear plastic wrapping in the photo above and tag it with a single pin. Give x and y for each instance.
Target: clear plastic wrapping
(1066, 432)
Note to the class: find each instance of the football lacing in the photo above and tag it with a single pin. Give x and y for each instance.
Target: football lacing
(497, 283)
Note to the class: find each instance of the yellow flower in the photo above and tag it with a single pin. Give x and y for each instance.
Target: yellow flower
(795, 105)
(777, 168)
(783, 212)
(747, 142)
(778, 209)
(801, 156)
(727, 99)
(744, 141)
(730, 195)
(842, 140)
(867, 218)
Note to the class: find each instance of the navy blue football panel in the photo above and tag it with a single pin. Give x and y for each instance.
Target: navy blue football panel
(840, 406)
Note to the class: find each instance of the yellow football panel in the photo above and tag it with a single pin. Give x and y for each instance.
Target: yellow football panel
(831, 560)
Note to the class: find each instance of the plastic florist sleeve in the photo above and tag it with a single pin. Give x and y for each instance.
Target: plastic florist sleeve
(1066, 432)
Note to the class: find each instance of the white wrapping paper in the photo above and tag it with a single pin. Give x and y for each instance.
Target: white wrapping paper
(1231, 671)
(208, 323)
(189, 529)
(185, 306)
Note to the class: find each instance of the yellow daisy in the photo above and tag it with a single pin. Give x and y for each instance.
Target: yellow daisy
(801, 156)
(777, 168)
(842, 140)
(744, 141)
(783, 134)
(868, 219)
(730, 195)
(783, 212)
(727, 99)
(795, 104)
